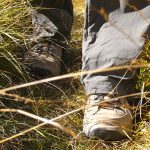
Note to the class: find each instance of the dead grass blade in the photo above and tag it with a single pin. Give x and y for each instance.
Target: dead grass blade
(62, 116)
(73, 75)
(17, 98)
(44, 120)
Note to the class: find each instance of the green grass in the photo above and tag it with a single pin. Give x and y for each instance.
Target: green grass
(59, 97)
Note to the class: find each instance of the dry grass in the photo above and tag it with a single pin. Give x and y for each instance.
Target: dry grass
(51, 100)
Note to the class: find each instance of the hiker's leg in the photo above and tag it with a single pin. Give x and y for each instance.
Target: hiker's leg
(112, 42)
(52, 23)
(112, 37)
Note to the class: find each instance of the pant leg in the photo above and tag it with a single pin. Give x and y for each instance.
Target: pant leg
(113, 42)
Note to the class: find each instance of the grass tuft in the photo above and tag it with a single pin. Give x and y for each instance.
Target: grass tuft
(53, 99)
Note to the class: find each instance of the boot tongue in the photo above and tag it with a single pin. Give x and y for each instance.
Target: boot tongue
(96, 97)
(104, 98)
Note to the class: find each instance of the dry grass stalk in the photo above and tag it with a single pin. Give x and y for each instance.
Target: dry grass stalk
(73, 75)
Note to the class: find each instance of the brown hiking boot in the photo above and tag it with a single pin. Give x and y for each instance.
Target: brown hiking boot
(45, 57)
(111, 121)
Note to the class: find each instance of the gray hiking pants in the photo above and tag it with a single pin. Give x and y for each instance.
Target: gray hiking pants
(112, 37)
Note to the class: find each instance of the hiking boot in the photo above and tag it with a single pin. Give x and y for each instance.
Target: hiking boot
(110, 121)
(46, 57)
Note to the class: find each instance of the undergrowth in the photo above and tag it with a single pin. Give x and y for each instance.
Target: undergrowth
(56, 98)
